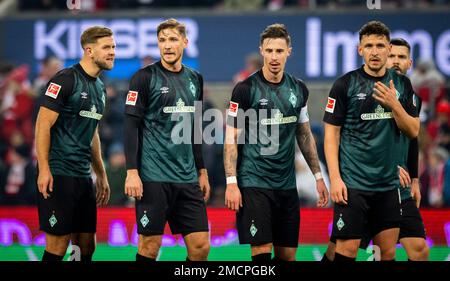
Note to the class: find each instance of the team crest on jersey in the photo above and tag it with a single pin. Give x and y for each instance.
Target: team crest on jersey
(192, 88)
(53, 90)
(132, 98)
(331, 103)
(233, 109)
(293, 99)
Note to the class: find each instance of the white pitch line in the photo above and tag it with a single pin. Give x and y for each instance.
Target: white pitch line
(31, 255)
(316, 254)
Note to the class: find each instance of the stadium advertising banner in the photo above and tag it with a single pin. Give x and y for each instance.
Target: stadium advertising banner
(20, 238)
(324, 45)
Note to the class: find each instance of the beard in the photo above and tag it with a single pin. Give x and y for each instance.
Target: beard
(103, 65)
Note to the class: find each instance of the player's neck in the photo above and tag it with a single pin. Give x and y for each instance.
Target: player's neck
(379, 73)
(176, 67)
(90, 68)
(271, 77)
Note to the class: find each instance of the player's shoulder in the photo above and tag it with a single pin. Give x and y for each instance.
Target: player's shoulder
(343, 81)
(144, 72)
(193, 72)
(64, 74)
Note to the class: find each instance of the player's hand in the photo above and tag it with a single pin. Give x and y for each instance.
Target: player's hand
(203, 181)
(415, 192)
(386, 96)
(233, 198)
(103, 191)
(133, 184)
(405, 179)
(338, 191)
(45, 182)
(322, 192)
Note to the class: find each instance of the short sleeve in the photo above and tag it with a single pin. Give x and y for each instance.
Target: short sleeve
(336, 106)
(411, 104)
(239, 103)
(58, 89)
(137, 97)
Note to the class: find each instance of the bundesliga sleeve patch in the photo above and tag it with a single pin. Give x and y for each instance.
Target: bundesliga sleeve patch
(233, 110)
(53, 90)
(131, 98)
(330, 105)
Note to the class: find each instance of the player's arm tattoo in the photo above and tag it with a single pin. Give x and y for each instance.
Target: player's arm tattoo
(230, 151)
(307, 144)
(96, 152)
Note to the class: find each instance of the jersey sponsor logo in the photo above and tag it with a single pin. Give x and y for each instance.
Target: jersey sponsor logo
(53, 90)
(233, 109)
(331, 103)
(279, 119)
(179, 108)
(132, 98)
(379, 114)
(164, 90)
(91, 114)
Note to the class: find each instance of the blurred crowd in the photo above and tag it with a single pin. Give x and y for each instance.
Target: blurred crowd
(99, 5)
(20, 98)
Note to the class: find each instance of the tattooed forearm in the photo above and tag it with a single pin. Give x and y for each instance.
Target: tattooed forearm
(307, 146)
(230, 152)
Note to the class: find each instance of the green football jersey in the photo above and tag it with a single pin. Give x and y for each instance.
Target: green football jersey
(268, 114)
(80, 100)
(165, 103)
(371, 145)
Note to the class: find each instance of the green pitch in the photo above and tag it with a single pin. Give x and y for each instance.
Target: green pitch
(105, 252)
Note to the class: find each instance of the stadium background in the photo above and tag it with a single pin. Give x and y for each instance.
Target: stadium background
(38, 37)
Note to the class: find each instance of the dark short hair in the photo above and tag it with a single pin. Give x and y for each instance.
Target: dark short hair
(172, 23)
(274, 31)
(92, 34)
(374, 28)
(401, 42)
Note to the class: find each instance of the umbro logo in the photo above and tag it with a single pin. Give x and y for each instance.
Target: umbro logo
(84, 95)
(263, 101)
(164, 90)
(361, 96)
